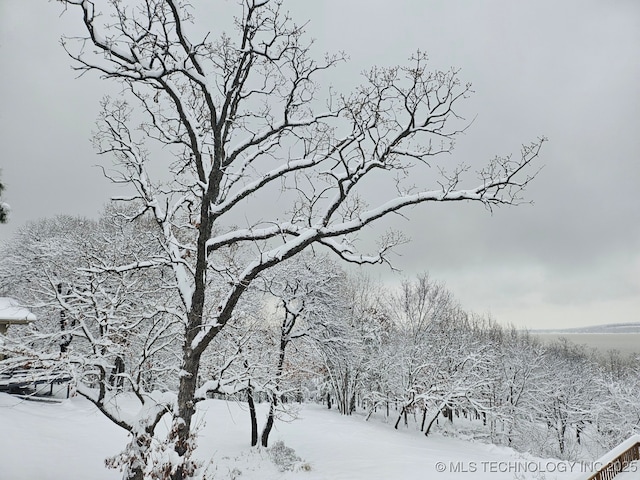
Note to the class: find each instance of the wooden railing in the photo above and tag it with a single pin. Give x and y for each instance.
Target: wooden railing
(22, 380)
(618, 459)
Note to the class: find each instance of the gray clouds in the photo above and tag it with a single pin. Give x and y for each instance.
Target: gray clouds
(568, 70)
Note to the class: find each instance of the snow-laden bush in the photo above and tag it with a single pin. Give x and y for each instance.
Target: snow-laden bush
(285, 458)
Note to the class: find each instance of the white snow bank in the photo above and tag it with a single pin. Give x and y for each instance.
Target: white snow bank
(11, 310)
(71, 439)
(46, 441)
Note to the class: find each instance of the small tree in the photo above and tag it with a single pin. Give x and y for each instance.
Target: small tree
(308, 290)
(4, 208)
(352, 351)
(239, 114)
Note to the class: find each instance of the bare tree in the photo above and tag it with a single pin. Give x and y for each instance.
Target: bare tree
(239, 116)
(352, 352)
(570, 395)
(308, 292)
(4, 208)
(440, 364)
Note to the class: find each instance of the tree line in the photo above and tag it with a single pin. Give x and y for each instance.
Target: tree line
(305, 331)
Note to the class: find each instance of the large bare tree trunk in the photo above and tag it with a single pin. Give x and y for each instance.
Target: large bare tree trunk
(186, 409)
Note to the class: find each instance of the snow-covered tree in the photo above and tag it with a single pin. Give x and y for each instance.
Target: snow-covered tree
(567, 403)
(522, 374)
(4, 208)
(419, 310)
(239, 115)
(350, 352)
(42, 259)
(308, 290)
(432, 357)
(113, 331)
(617, 411)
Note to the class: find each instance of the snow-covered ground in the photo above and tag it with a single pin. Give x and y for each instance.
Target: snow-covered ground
(70, 440)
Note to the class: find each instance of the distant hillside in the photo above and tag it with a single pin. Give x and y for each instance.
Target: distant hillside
(599, 329)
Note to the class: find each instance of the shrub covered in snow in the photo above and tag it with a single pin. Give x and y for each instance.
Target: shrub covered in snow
(285, 458)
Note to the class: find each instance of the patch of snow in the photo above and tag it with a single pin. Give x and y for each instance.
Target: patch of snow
(70, 440)
(11, 310)
(52, 441)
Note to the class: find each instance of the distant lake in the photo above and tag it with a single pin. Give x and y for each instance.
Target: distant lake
(626, 343)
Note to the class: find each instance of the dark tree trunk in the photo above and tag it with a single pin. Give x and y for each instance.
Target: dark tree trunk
(286, 329)
(428, 430)
(447, 413)
(269, 425)
(181, 430)
(64, 344)
(352, 404)
(135, 474)
(66, 339)
(578, 432)
(424, 419)
(254, 419)
(399, 418)
(115, 379)
(561, 434)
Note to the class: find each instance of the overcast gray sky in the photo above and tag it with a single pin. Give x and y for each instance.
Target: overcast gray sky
(569, 70)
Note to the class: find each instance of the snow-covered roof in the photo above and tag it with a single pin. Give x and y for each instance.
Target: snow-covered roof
(12, 312)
